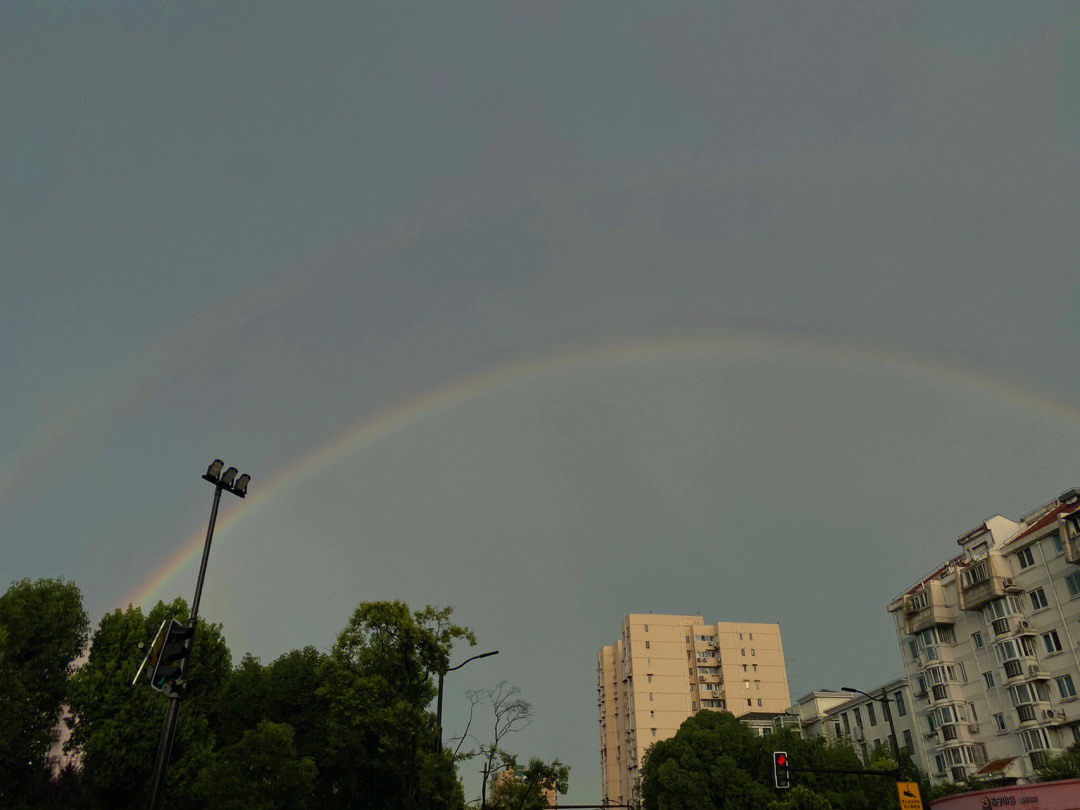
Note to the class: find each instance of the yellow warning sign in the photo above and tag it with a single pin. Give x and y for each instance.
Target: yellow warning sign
(909, 795)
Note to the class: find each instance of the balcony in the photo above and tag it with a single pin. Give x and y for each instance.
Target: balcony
(1013, 669)
(927, 607)
(948, 733)
(983, 581)
(939, 691)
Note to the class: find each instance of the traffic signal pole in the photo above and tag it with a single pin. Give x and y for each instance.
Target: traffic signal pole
(168, 733)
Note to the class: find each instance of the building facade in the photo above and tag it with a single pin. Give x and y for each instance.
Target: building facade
(990, 646)
(665, 668)
(862, 720)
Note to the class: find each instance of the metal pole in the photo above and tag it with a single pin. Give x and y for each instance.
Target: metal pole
(205, 556)
(892, 736)
(168, 733)
(438, 714)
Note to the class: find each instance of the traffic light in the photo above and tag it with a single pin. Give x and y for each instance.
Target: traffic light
(781, 773)
(169, 666)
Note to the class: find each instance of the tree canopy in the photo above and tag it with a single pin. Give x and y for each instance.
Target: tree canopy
(43, 629)
(715, 762)
(352, 727)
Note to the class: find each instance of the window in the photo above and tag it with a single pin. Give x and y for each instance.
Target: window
(1053, 643)
(751, 636)
(836, 728)
(742, 651)
(749, 702)
(652, 713)
(939, 761)
(901, 709)
(759, 701)
(1026, 558)
(974, 717)
(1038, 599)
(858, 717)
(646, 628)
(907, 740)
(688, 639)
(654, 732)
(744, 667)
(870, 714)
(989, 677)
(693, 705)
(977, 638)
(649, 677)
(999, 720)
(1066, 688)
(755, 667)
(847, 725)
(740, 636)
(1055, 538)
(1072, 582)
(646, 645)
(753, 651)
(651, 697)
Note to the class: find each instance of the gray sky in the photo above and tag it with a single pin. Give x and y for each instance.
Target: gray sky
(552, 312)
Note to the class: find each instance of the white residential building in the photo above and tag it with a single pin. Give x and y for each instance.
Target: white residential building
(836, 715)
(990, 645)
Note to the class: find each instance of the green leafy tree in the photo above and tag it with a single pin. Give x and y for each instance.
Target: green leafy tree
(378, 684)
(1065, 765)
(801, 798)
(526, 789)
(116, 726)
(260, 772)
(714, 762)
(43, 629)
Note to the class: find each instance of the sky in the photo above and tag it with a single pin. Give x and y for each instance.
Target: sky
(551, 312)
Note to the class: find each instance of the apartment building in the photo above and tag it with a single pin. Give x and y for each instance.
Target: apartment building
(990, 640)
(664, 668)
(862, 720)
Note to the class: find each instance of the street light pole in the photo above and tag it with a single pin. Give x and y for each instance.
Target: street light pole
(438, 702)
(885, 700)
(221, 481)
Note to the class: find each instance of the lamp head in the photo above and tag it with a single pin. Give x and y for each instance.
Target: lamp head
(213, 472)
(228, 476)
(242, 485)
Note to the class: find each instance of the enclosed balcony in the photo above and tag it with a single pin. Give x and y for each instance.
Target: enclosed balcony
(926, 607)
(984, 580)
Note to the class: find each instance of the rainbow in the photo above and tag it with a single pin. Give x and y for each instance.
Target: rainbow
(752, 347)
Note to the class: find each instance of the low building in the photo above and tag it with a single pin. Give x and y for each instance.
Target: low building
(862, 720)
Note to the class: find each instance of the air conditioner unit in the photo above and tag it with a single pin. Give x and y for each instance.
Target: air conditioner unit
(1034, 669)
(1008, 582)
(919, 664)
(973, 728)
(1048, 714)
(1023, 624)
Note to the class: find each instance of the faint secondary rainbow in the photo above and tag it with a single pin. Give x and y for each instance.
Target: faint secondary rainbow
(729, 347)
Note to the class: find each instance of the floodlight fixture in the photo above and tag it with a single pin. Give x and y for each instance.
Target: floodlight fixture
(228, 476)
(242, 485)
(213, 472)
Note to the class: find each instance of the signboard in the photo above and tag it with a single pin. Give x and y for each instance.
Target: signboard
(909, 796)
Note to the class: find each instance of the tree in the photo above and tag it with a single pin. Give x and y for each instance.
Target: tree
(116, 726)
(260, 772)
(509, 713)
(801, 798)
(378, 684)
(1065, 765)
(43, 629)
(527, 789)
(714, 762)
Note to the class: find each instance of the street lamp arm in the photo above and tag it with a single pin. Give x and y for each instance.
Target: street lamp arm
(467, 660)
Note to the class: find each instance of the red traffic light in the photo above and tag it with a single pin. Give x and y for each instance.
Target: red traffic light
(781, 759)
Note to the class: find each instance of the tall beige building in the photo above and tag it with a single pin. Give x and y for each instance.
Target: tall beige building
(663, 669)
